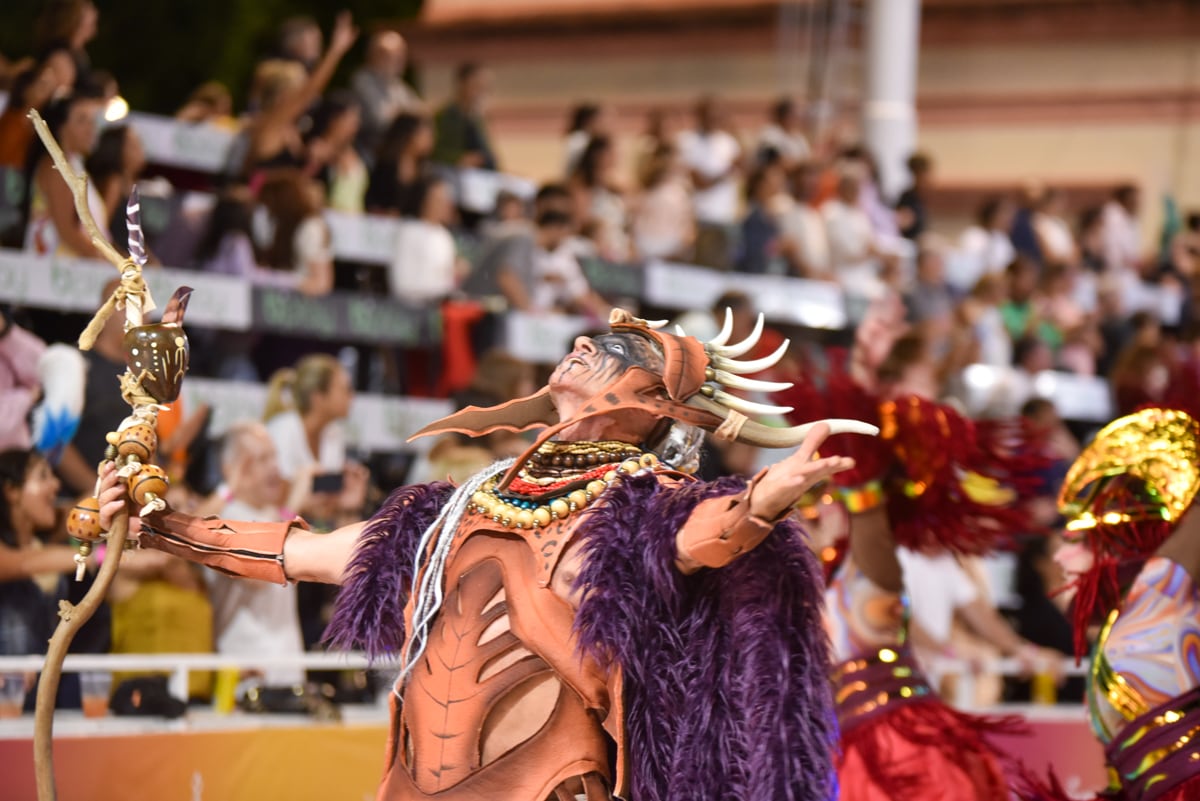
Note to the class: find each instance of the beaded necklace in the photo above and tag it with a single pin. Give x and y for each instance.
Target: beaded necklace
(548, 489)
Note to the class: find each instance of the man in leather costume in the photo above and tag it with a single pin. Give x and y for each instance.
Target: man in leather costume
(587, 621)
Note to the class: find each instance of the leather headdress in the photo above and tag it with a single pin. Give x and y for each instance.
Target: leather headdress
(689, 389)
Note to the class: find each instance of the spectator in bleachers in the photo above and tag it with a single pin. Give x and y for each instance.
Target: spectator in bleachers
(32, 89)
(1139, 377)
(1122, 242)
(380, 88)
(1056, 242)
(304, 412)
(27, 492)
(300, 242)
(985, 247)
(535, 268)
(114, 166)
(783, 136)
(803, 239)
(859, 261)
(662, 225)
(758, 244)
(401, 164)
(285, 93)
(331, 154)
(588, 121)
(713, 157)
(930, 301)
(160, 606)
(53, 226)
(1058, 301)
(19, 382)
(103, 408)
(1185, 248)
(461, 134)
(426, 267)
(211, 104)
(650, 143)
(599, 206)
(226, 246)
(980, 313)
(1022, 234)
(912, 216)
(300, 41)
(1091, 239)
(1021, 310)
(70, 25)
(253, 618)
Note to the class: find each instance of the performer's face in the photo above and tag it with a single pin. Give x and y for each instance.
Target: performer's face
(595, 364)
(1074, 557)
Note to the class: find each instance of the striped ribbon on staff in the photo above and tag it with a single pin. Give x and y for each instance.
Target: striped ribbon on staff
(133, 221)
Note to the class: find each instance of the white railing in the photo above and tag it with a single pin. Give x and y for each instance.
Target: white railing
(966, 672)
(179, 666)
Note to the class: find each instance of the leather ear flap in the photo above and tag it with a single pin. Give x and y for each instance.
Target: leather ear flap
(522, 414)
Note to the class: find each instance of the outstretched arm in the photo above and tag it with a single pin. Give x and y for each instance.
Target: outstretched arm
(720, 529)
(275, 552)
(320, 557)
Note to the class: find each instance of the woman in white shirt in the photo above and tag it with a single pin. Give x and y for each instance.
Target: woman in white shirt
(1053, 233)
(300, 242)
(426, 266)
(54, 227)
(305, 407)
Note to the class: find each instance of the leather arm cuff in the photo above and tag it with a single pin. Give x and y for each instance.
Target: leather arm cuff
(720, 529)
(234, 547)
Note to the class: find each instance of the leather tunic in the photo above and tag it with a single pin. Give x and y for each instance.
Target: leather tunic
(502, 641)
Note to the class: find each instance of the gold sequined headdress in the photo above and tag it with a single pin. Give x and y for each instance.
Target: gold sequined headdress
(1152, 453)
(1123, 497)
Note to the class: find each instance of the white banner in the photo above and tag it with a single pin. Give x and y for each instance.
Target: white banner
(369, 238)
(541, 338)
(813, 304)
(75, 285)
(377, 423)
(194, 146)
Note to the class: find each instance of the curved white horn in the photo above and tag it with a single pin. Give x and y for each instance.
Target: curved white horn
(732, 381)
(655, 324)
(752, 366)
(746, 345)
(679, 330)
(747, 407)
(753, 432)
(726, 330)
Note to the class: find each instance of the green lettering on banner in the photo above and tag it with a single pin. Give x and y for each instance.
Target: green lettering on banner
(14, 281)
(613, 280)
(373, 320)
(291, 313)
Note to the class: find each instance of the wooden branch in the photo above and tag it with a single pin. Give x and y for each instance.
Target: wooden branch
(78, 184)
(72, 619)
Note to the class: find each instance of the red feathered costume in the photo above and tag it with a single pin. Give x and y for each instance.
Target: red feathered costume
(944, 482)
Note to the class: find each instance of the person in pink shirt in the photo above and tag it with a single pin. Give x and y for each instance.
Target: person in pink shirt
(19, 385)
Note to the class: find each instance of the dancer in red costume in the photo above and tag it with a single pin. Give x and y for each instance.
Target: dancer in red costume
(933, 480)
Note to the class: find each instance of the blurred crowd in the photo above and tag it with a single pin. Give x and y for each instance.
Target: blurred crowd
(1035, 283)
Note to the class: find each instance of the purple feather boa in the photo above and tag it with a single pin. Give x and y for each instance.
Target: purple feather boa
(370, 606)
(725, 671)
